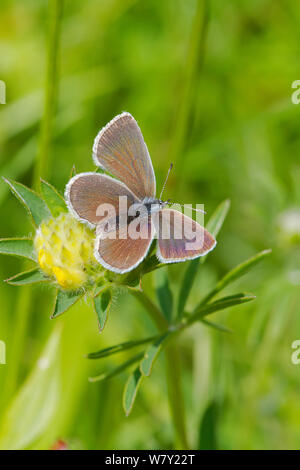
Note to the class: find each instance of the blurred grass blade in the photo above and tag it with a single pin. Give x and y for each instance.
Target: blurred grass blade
(217, 219)
(120, 348)
(35, 404)
(18, 164)
(151, 354)
(73, 171)
(236, 273)
(164, 294)
(102, 304)
(116, 370)
(214, 226)
(131, 388)
(34, 205)
(53, 199)
(28, 277)
(65, 300)
(202, 310)
(18, 247)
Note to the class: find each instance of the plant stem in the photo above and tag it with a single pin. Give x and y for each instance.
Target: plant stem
(51, 87)
(151, 308)
(176, 401)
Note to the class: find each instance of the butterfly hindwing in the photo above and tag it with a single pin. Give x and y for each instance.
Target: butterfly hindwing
(122, 253)
(180, 238)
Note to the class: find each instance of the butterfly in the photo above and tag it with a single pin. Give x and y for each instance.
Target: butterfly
(120, 150)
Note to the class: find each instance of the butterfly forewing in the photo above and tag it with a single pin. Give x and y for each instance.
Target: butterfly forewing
(90, 195)
(119, 148)
(180, 238)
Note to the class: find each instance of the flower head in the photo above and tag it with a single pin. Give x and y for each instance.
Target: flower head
(64, 250)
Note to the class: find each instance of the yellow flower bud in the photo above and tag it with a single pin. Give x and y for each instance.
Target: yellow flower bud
(64, 249)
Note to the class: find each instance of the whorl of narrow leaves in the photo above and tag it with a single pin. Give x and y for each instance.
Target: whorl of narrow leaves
(146, 359)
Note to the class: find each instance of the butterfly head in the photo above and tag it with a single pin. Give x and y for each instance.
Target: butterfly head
(154, 205)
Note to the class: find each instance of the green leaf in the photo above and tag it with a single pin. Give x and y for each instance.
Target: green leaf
(28, 277)
(34, 405)
(151, 354)
(208, 428)
(186, 285)
(213, 226)
(120, 348)
(102, 304)
(116, 370)
(216, 326)
(220, 304)
(236, 273)
(53, 199)
(18, 247)
(65, 300)
(35, 206)
(164, 294)
(131, 388)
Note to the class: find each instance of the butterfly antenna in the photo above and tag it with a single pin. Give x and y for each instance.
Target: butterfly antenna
(164, 185)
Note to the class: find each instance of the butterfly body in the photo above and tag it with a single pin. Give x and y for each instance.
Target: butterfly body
(137, 215)
(154, 205)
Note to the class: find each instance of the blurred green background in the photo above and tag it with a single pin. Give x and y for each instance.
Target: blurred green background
(211, 90)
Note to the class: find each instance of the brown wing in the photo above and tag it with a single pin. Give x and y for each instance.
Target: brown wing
(122, 253)
(119, 148)
(180, 238)
(86, 192)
